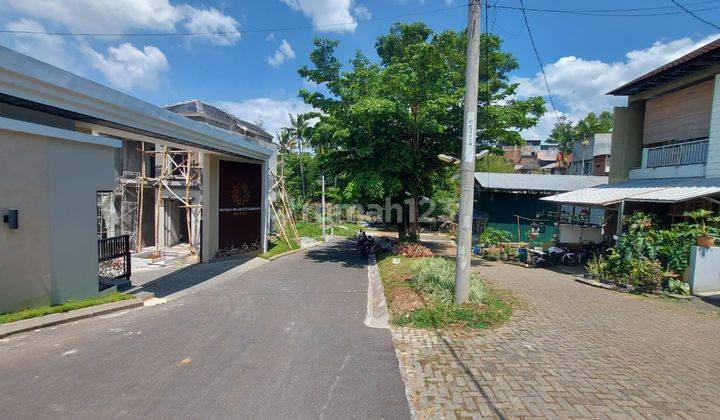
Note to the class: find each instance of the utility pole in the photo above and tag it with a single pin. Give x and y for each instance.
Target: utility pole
(467, 171)
(323, 208)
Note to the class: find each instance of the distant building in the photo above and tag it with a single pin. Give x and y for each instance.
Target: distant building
(592, 159)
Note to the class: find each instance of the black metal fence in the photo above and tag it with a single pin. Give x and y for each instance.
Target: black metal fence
(117, 247)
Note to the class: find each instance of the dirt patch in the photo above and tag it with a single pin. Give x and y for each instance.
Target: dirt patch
(404, 300)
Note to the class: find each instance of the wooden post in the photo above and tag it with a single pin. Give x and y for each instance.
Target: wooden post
(141, 190)
(188, 210)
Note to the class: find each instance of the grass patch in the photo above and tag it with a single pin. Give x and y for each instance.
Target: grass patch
(64, 307)
(432, 282)
(314, 229)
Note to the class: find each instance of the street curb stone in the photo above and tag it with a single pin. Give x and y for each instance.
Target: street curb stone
(31, 324)
(377, 311)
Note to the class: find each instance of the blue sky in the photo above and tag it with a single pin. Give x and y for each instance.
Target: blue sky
(255, 74)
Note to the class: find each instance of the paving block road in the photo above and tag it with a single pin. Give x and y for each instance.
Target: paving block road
(574, 351)
(285, 340)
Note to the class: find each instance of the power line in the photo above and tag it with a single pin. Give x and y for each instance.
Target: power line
(610, 12)
(233, 32)
(537, 55)
(630, 12)
(694, 15)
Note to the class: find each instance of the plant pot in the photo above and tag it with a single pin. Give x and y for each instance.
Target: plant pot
(706, 241)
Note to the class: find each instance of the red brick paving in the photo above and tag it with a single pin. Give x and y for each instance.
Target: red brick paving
(573, 351)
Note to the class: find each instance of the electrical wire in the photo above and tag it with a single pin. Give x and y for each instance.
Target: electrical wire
(694, 15)
(537, 55)
(629, 12)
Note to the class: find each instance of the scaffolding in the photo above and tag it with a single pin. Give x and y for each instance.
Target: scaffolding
(179, 169)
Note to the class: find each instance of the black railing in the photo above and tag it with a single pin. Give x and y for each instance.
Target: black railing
(115, 248)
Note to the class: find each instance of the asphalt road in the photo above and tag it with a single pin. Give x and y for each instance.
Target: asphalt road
(285, 340)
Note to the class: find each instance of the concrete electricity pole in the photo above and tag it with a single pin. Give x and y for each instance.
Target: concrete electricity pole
(467, 171)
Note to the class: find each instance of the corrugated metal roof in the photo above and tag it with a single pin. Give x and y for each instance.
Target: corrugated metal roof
(537, 182)
(666, 190)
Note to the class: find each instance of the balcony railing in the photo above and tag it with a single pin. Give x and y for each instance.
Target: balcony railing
(688, 153)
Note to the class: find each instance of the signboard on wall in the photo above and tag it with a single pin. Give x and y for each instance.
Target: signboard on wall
(240, 204)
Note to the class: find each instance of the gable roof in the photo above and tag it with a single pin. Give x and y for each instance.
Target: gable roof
(537, 182)
(697, 60)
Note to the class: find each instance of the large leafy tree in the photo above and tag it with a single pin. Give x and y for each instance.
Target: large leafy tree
(565, 133)
(384, 123)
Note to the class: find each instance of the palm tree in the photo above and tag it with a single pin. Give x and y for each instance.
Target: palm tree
(287, 144)
(298, 128)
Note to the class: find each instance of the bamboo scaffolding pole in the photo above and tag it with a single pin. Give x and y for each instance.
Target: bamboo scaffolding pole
(282, 229)
(141, 193)
(188, 210)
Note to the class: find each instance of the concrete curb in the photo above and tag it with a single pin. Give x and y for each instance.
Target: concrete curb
(377, 311)
(65, 317)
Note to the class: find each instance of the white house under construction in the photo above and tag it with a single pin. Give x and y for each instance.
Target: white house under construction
(82, 164)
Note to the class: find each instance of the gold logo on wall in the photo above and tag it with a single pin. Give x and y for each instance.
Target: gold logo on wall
(241, 194)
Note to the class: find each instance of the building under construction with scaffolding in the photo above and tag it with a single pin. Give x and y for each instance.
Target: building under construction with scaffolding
(158, 197)
(89, 172)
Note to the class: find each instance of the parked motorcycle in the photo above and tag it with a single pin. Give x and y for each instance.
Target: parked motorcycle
(550, 258)
(365, 244)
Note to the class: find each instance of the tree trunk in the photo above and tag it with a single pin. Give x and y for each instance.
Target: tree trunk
(413, 220)
(302, 171)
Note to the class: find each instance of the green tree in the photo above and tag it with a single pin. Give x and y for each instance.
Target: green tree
(299, 126)
(286, 141)
(384, 123)
(494, 163)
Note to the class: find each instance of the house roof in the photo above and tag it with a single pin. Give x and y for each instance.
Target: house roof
(699, 59)
(34, 84)
(548, 155)
(196, 106)
(537, 182)
(667, 190)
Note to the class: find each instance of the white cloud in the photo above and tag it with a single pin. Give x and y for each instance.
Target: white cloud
(119, 16)
(127, 67)
(212, 20)
(362, 12)
(273, 112)
(579, 85)
(327, 15)
(47, 48)
(284, 52)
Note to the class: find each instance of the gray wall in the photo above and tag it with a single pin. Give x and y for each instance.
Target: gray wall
(53, 183)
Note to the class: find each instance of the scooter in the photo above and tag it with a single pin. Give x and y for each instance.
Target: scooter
(552, 257)
(365, 244)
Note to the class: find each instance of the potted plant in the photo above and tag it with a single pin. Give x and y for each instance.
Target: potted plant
(702, 225)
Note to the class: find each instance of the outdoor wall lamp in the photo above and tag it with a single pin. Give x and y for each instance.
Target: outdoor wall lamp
(11, 219)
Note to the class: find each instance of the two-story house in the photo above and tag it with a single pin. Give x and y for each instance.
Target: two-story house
(593, 157)
(665, 143)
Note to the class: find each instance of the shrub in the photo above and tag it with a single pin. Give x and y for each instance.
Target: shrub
(646, 275)
(436, 278)
(492, 237)
(678, 287)
(597, 267)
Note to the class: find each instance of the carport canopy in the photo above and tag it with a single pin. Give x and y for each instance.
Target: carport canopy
(667, 190)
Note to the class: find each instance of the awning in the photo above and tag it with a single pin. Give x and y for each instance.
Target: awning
(666, 190)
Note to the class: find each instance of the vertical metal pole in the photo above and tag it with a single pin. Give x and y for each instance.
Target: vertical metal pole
(467, 171)
(621, 211)
(323, 208)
